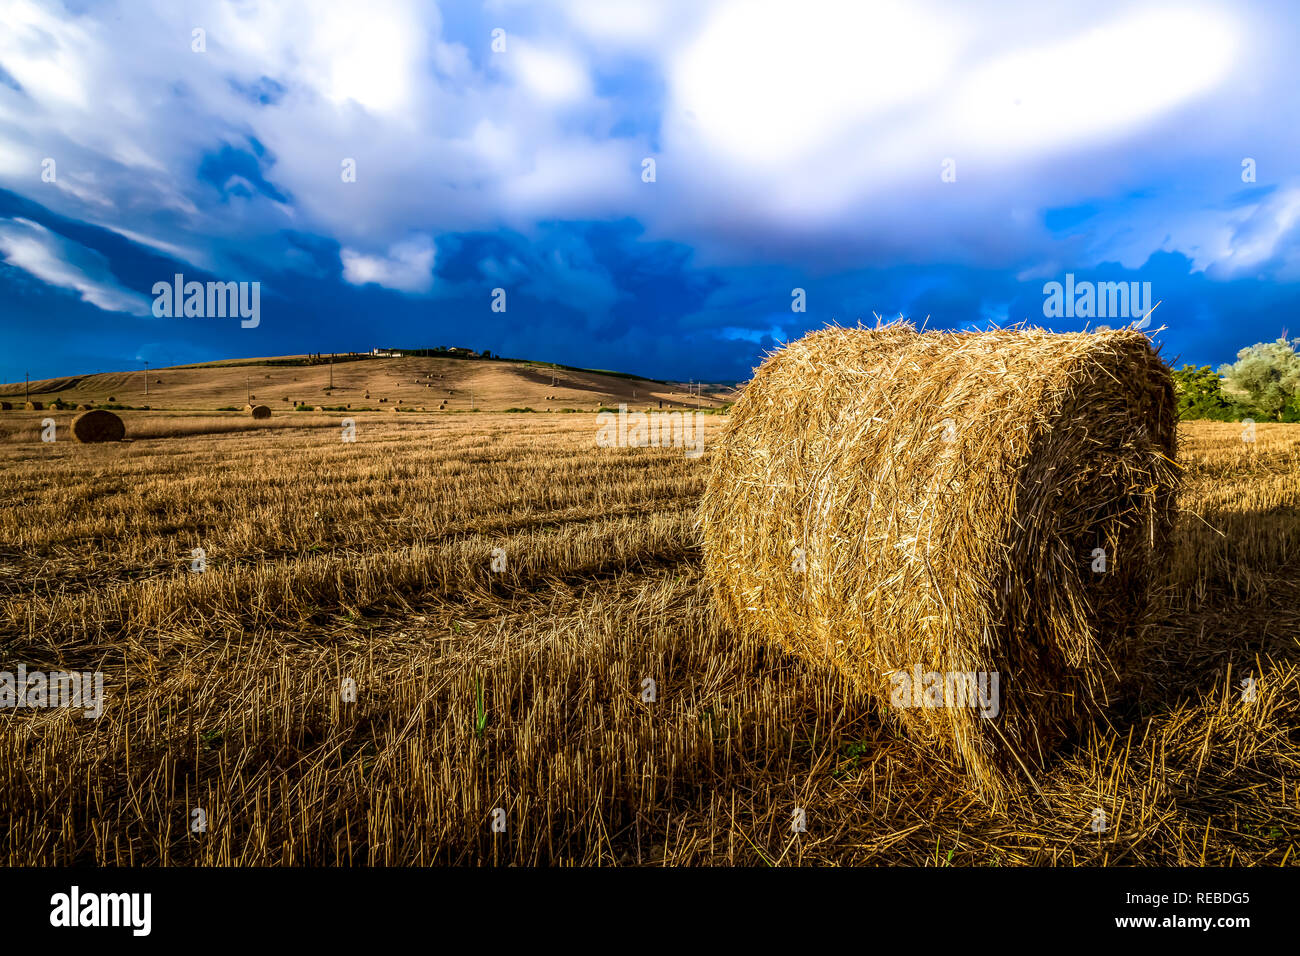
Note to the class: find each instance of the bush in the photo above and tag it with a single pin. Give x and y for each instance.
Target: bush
(1265, 378)
(1200, 395)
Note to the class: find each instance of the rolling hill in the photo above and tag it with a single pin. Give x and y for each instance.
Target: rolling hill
(378, 383)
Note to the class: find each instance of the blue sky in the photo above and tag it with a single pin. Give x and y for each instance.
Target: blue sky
(940, 160)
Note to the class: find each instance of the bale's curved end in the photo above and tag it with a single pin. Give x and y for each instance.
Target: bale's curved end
(259, 411)
(98, 425)
(936, 511)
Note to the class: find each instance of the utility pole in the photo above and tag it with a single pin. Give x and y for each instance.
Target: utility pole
(146, 379)
(27, 391)
(247, 392)
(331, 370)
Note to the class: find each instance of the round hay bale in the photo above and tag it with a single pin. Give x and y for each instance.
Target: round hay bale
(259, 411)
(83, 408)
(318, 408)
(98, 425)
(932, 512)
(33, 406)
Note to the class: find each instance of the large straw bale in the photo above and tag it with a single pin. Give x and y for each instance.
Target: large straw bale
(906, 503)
(98, 425)
(258, 411)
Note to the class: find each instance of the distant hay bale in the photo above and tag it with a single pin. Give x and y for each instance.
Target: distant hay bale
(318, 408)
(920, 507)
(33, 406)
(98, 425)
(83, 408)
(258, 411)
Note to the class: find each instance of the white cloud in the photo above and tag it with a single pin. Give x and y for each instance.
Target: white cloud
(66, 264)
(1263, 232)
(771, 82)
(804, 132)
(408, 267)
(628, 23)
(553, 76)
(1121, 72)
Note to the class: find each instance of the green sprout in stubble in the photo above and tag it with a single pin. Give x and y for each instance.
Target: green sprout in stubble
(480, 721)
(948, 860)
(852, 752)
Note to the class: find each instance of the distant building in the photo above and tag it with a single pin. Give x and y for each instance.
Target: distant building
(440, 350)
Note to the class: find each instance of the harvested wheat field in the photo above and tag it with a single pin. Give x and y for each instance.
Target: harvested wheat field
(523, 621)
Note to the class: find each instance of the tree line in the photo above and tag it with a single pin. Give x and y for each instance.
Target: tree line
(1263, 384)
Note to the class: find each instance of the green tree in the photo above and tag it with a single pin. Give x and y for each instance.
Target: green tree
(1265, 376)
(1200, 395)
